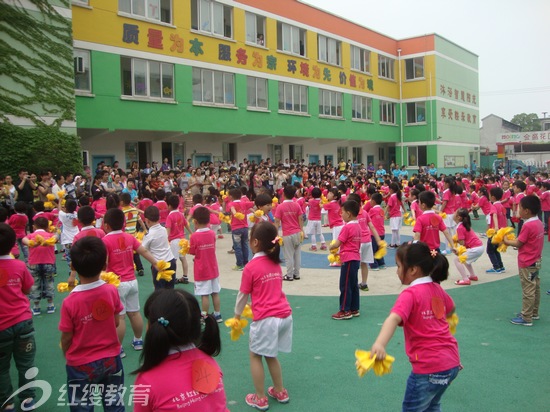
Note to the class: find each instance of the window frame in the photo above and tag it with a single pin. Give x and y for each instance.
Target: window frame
(330, 95)
(363, 100)
(148, 78)
(323, 43)
(87, 55)
(256, 96)
(387, 108)
(419, 156)
(128, 9)
(416, 104)
(302, 37)
(256, 41)
(214, 75)
(389, 67)
(364, 60)
(213, 13)
(412, 65)
(301, 90)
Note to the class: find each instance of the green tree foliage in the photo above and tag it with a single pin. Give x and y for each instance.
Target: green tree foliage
(38, 148)
(528, 122)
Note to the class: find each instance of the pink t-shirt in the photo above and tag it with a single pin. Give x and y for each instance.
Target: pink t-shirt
(302, 203)
(423, 308)
(450, 199)
(377, 216)
(120, 254)
(41, 254)
(545, 201)
(532, 237)
(469, 237)
(334, 214)
(163, 210)
(314, 209)
(499, 210)
(100, 206)
(394, 206)
(240, 206)
(192, 210)
(18, 223)
(171, 385)
(214, 217)
(429, 225)
(289, 213)
(15, 279)
(364, 219)
(262, 279)
(202, 244)
(176, 223)
(350, 236)
(48, 215)
(145, 203)
(506, 199)
(88, 311)
(474, 198)
(484, 205)
(89, 231)
(415, 207)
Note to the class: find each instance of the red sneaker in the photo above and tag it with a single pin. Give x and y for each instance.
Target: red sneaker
(342, 315)
(282, 397)
(313, 248)
(323, 247)
(473, 278)
(355, 313)
(220, 236)
(259, 403)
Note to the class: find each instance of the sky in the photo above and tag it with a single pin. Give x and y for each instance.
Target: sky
(509, 36)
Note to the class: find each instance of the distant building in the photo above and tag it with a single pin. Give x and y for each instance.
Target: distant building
(491, 127)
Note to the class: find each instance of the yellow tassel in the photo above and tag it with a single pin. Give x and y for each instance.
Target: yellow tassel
(490, 232)
(275, 200)
(236, 327)
(111, 278)
(463, 258)
(443, 215)
(184, 244)
(452, 321)
(61, 194)
(247, 312)
(239, 216)
(364, 363)
(50, 197)
(63, 287)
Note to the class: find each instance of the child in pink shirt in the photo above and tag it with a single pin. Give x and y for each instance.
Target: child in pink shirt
(313, 227)
(176, 223)
(18, 223)
(394, 209)
(429, 224)
(239, 227)
(16, 325)
(545, 205)
(377, 215)
(416, 211)
(162, 206)
(42, 265)
(170, 357)
(271, 329)
(335, 221)
(421, 310)
(467, 237)
(91, 310)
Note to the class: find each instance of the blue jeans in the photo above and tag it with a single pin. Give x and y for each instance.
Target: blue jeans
(494, 255)
(17, 341)
(349, 288)
(43, 287)
(377, 262)
(24, 249)
(424, 391)
(163, 284)
(96, 383)
(240, 245)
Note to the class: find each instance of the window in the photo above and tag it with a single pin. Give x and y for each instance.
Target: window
(295, 152)
(357, 155)
(381, 153)
(330, 50)
(414, 68)
(159, 10)
(342, 154)
(360, 59)
(212, 17)
(385, 67)
(217, 88)
(362, 108)
(416, 112)
(417, 156)
(292, 98)
(144, 78)
(255, 29)
(387, 112)
(291, 39)
(256, 92)
(330, 103)
(82, 77)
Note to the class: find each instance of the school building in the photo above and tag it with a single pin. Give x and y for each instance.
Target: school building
(221, 79)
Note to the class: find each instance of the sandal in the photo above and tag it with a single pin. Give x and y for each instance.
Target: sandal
(463, 282)
(289, 278)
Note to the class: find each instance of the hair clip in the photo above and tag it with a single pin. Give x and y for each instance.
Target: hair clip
(163, 321)
(277, 238)
(433, 252)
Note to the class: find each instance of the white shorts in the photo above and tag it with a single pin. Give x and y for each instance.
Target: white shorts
(395, 223)
(129, 296)
(336, 232)
(215, 228)
(450, 222)
(474, 254)
(366, 253)
(270, 336)
(488, 219)
(207, 287)
(313, 227)
(175, 248)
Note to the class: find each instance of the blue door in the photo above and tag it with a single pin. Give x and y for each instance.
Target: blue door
(201, 157)
(96, 159)
(328, 158)
(313, 159)
(255, 158)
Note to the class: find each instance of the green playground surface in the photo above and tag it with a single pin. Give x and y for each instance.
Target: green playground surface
(506, 367)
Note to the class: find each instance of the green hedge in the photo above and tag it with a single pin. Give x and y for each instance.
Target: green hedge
(38, 149)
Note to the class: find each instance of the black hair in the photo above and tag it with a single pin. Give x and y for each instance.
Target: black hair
(415, 193)
(86, 215)
(520, 185)
(466, 222)
(7, 238)
(41, 223)
(419, 254)
(235, 194)
(112, 201)
(125, 198)
(546, 185)
(496, 192)
(351, 206)
(173, 201)
(160, 194)
(152, 213)
(3, 214)
(88, 256)
(397, 190)
(376, 198)
(452, 184)
(114, 218)
(262, 200)
(355, 197)
(316, 193)
(531, 203)
(38, 206)
(266, 233)
(336, 193)
(180, 325)
(289, 192)
(202, 215)
(20, 207)
(84, 201)
(197, 199)
(428, 198)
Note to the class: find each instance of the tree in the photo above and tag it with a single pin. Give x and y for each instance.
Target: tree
(528, 122)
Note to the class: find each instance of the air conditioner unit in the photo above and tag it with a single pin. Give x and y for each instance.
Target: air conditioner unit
(79, 65)
(85, 158)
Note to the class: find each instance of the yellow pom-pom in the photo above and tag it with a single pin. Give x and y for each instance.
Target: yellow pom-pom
(281, 241)
(443, 215)
(63, 287)
(275, 199)
(252, 218)
(111, 278)
(406, 214)
(463, 258)
(452, 321)
(455, 238)
(461, 250)
(502, 248)
(331, 258)
(324, 199)
(413, 222)
(61, 194)
(259, 213)
(184, 244)
(364, 362)
(50, 197)
(236, 327)
(490, 232)
(382, 250)
(165, 275)
(163, 265)
(50, 241)
(139, 235)
(222, 193)
(48, 205)
(239, 216)
(225, 198)
(247, 312)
